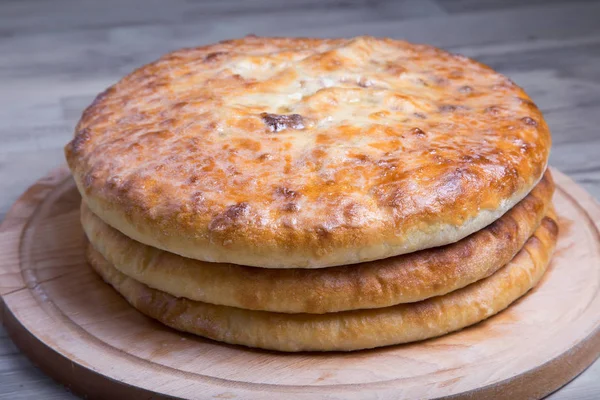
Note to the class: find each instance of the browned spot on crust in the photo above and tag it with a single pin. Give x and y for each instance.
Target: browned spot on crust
(498, 228)
(155, 136)
(439, 80)
(464, 250)
(278, 122)
(551, 225)
(451, 107)
(528, 103)
(395, 69)
(417, 132)
(323, 232)
(237, 210)
(363, 158)
(229, 217)
(265, 157)
(364, 82)
(215, 56)
(352, 212)
(494, 110)
(291, 207)
(529, 121)
(197, 200)
(286, 192)
(193, 179)
(79, 141)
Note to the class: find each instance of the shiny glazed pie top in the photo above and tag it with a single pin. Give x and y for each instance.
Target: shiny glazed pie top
(281, 152)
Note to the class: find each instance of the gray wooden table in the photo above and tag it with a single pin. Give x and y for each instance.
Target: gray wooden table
(56, 55)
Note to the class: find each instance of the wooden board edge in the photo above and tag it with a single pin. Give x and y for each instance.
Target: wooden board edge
(29, 200)
(15, 222)
(74, 377)
(545, 379)
(576, 192)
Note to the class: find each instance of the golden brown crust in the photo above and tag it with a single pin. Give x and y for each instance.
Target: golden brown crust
(348, 330)
(308, 153)
(401, 279)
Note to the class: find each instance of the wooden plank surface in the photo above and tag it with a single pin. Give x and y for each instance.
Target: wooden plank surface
(56, 55)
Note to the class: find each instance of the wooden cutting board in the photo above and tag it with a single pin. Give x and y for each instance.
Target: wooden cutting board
(81, 332)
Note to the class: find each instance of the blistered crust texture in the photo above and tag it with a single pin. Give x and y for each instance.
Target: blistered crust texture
(348, 330)
(306, 152)
(402, 279)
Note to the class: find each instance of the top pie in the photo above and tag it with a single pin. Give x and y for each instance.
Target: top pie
(307, 153)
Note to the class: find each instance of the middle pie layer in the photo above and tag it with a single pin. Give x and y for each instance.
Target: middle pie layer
(401, 279)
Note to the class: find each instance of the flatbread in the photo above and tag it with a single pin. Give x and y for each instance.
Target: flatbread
(347, 330)
(307, 153)
(401, 279)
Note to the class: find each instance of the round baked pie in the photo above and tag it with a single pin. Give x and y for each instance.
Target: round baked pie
(307, 153)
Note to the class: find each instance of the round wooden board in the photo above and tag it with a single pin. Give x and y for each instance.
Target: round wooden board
(81, 332)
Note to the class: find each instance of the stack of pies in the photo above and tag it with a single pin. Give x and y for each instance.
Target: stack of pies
(310, 194)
